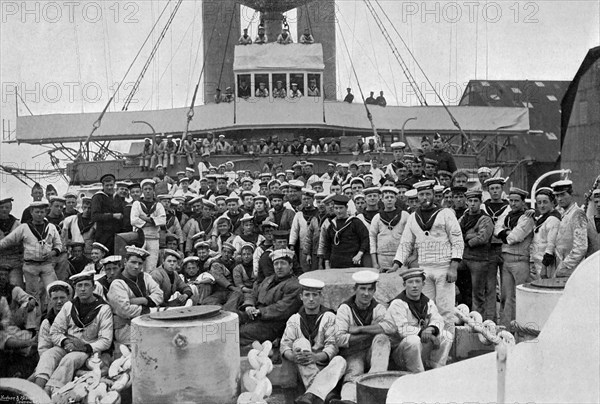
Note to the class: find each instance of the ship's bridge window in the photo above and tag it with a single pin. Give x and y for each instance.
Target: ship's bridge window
(297, 78)
(314, 85)
(244, 86)
(261, 85)
(279, 90)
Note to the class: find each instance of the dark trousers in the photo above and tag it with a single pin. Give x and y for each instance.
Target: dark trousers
(226, 298)
(483, 285)
(463, 283)
(259, 330)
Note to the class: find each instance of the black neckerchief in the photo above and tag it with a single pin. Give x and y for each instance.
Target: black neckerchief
(205, 224)
(7, 224)
(249, 269)
(148, 207)
(495, 208)
(459, 212)
(540, 220)
(391, 218)
(259, 218)
(309, 213)
(362, 317)
(138, 287)
(40, 236)
(309, 325)
(249, 238)
(51, 315)
(234, 218)
(469, 221)
(224, 237)
(426, 217)
(278, 213)
(77, 265)
(84, 314)
(105, 285)
(511, 220)
(84, 223)
(369, 215)
(418, 308)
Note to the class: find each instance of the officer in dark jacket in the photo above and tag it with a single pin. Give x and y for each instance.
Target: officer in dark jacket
(105, 214)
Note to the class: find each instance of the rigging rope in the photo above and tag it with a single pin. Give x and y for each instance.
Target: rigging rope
(78, 61)
(98, 121)
(190, 72)
(152, 53)
(373, 48)
(454, 121)
(225, 50)
(369, 116)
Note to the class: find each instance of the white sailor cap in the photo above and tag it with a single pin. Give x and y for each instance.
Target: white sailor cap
(57, 198)
(168, 251)
(137, 251)
(99, 246)
(296, 184)
(248, 245)
(39, 204)
(562, 186)
(111, 259)
(191, 258)
(59, 283)
(424, 185)
(365, 277)
(180, 173)
(393, 190)
(162, 197)
(195, 199)
(147, 181)
(313, 284)
(484, 170)
(227, 245)
(358, 196)
(209, 203)
(246, 218)
(412, 273)
(202, 244)
(321, 195)
(309, 192)
(438, 188)
(83, 276)
(398, 145)
(283, 253)
(411, 193)
(183, 179)
(373, 190)
(189, 169)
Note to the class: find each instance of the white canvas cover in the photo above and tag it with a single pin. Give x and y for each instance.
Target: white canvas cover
(276, 57)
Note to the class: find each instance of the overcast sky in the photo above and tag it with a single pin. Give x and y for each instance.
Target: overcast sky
(53, 50)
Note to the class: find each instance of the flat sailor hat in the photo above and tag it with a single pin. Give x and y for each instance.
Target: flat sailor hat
(136, 251)
(484, 170)
(438, 189)
(147, 181)
(191, 258)
(393, 190)
(283, 253)
(411, 194)
(562, 186)
(424, 185)
(494, 181)
(398, 145)
(59, 283)
(100, 246)
(111, 259)
(313, 284)
(168, 251)
(228, 246)
(373, 190)
(202, 244)
(518, 191)
(412, 273)
(365, 277)
(83, 276)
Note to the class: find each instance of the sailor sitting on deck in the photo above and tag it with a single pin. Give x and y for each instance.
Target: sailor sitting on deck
(81, 328)
(414, 319)
(245, 38)
(307, 38)
(309, 342)
(175, 291)
(261, 38)
(285, 38)
(271, 303)
(359, 335)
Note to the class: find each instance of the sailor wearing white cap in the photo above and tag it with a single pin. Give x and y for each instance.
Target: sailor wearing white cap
(39, 249)
(398, 151)
(435, 234)
(132, 293)
(271, 303)
(111, 268)
(571, 240)
(81, 328)
(299, 231)
(309, 342)
(175, 291)
(59, 293)
(386, 230)
(515, 229)
(359, 336)
(149, 216)
(414, 319)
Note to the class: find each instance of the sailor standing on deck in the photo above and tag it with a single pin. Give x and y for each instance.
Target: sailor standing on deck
(261, 38)
(309, 342)
(515, 229)
(435, 233)
(12, 257)
(571, 241)
(105, 214)
(245, 38)
(398, 151)
(346, 239)
(148, 214)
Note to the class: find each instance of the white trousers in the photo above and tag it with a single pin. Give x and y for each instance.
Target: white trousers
(412, 355)
(319, 380)
(58, 366)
